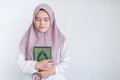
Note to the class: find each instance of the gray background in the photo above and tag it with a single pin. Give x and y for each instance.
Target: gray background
(92, 28)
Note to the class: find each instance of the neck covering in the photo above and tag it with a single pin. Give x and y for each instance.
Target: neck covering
(52, 37)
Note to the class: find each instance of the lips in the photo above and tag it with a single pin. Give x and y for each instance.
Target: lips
(41, 27)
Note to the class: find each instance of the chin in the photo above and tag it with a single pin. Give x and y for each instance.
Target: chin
(42, 30)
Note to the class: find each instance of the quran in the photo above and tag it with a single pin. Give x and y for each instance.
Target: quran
(42, 53)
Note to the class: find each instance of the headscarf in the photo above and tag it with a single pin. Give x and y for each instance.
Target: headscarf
(52, 37)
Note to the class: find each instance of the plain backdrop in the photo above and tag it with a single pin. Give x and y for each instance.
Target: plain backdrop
(92, 28)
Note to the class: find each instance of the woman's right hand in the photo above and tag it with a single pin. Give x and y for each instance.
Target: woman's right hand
(46, 73)
(42, 65)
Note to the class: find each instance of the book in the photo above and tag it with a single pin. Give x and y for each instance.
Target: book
(42, 53)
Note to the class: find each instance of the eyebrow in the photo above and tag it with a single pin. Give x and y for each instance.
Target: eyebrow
(44, 17)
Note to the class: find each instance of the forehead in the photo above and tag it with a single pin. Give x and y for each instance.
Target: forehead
(42, 14)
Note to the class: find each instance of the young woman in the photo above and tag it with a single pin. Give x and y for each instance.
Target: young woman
(44, 32)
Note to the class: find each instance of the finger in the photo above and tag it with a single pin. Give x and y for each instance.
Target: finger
(46, 69)
(49, 60)
(51, 63)
(50, 68)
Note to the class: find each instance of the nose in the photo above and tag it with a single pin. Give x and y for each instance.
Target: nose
(42, 22)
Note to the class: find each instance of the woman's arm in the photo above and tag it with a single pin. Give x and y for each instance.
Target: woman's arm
(31, 66)
(25, 66)
(64, 59)
(63, 63)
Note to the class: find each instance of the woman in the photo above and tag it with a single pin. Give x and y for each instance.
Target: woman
(44, 32)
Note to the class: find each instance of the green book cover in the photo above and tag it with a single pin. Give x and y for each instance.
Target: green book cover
(42, 53)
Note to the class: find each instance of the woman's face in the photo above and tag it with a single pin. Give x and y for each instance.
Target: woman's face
(42, 21)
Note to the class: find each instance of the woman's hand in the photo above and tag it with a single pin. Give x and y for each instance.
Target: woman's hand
(43, 65)
(48, 72)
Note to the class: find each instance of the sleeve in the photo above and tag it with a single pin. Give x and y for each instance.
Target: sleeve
(64, 59)
(25, 66)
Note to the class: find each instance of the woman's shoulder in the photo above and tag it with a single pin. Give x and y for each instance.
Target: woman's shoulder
(65, 45)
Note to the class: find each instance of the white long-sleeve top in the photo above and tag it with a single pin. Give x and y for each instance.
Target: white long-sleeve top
(62, 63)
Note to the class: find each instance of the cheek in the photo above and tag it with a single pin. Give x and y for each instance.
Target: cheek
(36, 24)
(48, 25)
